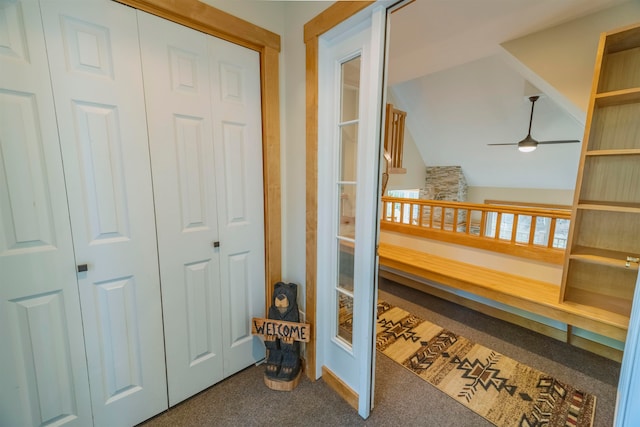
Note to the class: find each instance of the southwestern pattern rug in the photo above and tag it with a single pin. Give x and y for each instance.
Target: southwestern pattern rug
(500, 389)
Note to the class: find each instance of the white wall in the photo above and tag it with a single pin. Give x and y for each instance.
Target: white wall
(266, 14)
(412, 161)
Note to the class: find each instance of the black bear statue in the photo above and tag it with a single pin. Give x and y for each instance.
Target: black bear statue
(283, 358)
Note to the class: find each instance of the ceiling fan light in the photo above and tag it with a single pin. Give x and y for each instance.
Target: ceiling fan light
(527, 146)
(527, 149)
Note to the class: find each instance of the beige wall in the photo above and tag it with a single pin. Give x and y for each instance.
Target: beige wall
(529, 195)
(551, 273)
(564, 56)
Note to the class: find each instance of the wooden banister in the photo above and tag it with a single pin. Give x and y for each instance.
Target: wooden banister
(394, 138)
(472, 224)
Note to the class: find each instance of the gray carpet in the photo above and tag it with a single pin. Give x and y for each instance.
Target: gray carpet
(402, 398)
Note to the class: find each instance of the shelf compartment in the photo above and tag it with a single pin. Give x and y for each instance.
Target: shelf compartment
(603, 257)
(606, 287)
(615, 127)
(611, 179)
(606, 230)
(620, 68)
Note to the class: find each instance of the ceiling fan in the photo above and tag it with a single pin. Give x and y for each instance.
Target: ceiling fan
(529, 144)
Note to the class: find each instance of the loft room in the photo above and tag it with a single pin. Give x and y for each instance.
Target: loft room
(464, 115)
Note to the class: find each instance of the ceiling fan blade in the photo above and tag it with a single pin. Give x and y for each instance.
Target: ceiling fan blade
(566, 141)
(505, 144)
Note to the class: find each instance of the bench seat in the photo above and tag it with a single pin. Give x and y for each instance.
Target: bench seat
(530, 295)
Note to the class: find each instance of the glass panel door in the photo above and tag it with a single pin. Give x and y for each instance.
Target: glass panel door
(349, 120)
(346, 186)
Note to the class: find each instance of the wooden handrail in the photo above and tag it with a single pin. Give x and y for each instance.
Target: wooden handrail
(394, 138)
(529, 232)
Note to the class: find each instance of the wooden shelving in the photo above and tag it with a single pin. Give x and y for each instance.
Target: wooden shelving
(601, 267)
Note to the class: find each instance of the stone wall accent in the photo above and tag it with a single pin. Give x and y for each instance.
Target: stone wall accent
(445, 183)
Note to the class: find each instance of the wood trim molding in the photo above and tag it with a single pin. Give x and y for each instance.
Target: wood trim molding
(209, 20)
(270, 74)
(527, 204)
(311, 233)
(205, 18)
(343, 390)
(313, 29)
(332, 16)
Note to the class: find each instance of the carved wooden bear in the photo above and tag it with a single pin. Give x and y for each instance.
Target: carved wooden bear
(283, 359)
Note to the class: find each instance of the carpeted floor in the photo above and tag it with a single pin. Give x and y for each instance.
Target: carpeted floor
(402, 398)
(502, 390)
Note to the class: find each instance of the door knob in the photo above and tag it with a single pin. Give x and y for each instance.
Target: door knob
(82, 268)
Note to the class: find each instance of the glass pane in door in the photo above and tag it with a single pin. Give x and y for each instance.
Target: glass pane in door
(346, 188)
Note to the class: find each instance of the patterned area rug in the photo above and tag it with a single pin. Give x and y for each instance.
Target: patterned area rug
(503, 391)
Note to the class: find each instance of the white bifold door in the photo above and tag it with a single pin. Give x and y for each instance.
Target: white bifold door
(43, 370)
(203, 106)
(131, 212)
(96, 74)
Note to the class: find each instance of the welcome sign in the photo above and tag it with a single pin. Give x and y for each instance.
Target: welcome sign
(281, 329)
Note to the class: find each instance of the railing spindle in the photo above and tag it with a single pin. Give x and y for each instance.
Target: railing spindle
(532, 230)
(552, 233)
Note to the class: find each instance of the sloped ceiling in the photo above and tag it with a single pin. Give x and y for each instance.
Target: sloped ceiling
(453, 115)
(448, 71)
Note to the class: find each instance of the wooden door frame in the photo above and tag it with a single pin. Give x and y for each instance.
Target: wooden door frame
(320, 24)
(209, 20)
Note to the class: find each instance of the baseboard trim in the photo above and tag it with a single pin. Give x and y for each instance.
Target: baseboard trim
(343, 390)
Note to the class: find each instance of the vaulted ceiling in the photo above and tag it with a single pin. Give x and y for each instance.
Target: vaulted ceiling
(461, 91)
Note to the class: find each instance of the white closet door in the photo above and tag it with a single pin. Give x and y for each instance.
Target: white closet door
(237, 135)
(43, 372)
(97, 80)
(176, 73)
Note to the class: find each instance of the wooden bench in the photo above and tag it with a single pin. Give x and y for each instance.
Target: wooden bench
(416, 269)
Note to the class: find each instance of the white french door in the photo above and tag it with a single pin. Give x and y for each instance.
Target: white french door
(96, 73)
(349, 114)
(43, 370)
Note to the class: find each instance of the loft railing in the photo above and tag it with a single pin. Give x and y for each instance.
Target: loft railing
(394, 138)
(535, 233)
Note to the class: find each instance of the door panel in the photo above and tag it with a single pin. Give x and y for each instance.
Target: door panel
(237, 136)
(42, 359)
(349, 119)
(97, 80)
(176, 72)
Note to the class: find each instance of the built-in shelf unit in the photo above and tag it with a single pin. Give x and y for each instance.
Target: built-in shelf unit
(601, 265)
